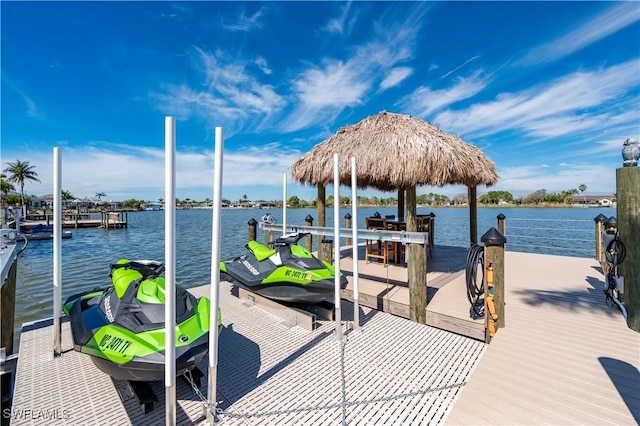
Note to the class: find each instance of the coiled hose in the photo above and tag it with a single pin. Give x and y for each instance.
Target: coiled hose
(475, 290)
(614, 254)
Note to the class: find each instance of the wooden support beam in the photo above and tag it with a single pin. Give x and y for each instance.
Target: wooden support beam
(253, 229)
(309, 238)
(628, 193)
(494, 243)
(416, 265)
(347, 224)
(473, 216)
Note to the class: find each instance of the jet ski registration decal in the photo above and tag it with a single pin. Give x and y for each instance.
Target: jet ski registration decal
(114, 343)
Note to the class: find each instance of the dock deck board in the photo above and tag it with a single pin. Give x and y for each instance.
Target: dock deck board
(564, 356)
(395, 371)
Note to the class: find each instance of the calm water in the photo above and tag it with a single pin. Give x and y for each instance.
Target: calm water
(87, 255)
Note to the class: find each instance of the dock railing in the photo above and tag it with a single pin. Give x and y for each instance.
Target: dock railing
(556, 236)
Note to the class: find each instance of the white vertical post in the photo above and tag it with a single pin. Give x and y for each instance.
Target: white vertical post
(284, 204)
(170, 269)
(215, 274)
(57, 251)
(336, 243)
(354, 237)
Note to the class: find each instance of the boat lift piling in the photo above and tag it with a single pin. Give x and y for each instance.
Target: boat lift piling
(215, 275)
(354, 244)
(284, 204)
(170, 268)
(336, 244)
(57, 252)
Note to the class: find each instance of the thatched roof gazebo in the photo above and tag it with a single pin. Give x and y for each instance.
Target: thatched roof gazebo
(397, 152)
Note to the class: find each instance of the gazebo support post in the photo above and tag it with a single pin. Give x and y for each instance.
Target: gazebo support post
(473, 216)
(416, 265)
(400, 203)
(323, 248)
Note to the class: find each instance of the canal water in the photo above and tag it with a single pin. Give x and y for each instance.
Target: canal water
(87, 255)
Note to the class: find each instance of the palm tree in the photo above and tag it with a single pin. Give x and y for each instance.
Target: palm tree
(5, 186)
(66, 195)
(19, 172)
(99, 195)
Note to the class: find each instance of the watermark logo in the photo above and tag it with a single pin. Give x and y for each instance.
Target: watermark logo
(36, 414)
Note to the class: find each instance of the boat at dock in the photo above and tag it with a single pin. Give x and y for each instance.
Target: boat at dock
(288, 272)
(41, 232)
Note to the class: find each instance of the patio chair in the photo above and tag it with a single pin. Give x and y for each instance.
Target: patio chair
(377, 249)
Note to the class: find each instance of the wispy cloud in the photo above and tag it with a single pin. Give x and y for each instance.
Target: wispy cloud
(31, 109)
(395, 77)
(342, 24)
(537, 110)
(233, 93)
(324, 91)
(473, 58)
(614, 19)
(424, 101)
(262, 64)
(246, 22)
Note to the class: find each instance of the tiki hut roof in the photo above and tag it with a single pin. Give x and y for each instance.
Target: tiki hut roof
(396, 151)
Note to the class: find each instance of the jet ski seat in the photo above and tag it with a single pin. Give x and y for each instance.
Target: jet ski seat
(260, 251)
(150, 292)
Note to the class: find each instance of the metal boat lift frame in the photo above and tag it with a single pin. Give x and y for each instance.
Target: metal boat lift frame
(363, 234)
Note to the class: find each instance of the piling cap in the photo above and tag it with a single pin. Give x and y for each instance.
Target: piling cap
(252, 222)
(600, 218)
(347, 216)
(611, 222)
(309, 218)
(432, 214)
(376, 214)
(493, 237)
(501, 216)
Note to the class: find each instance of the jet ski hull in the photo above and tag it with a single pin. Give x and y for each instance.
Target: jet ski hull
(312, 293)
(128, 346)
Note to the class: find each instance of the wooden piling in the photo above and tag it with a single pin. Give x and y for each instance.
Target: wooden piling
(269, 238)
(502, 224)
(324, 249)
(416, 265)
(432, 229)
(473, 216)
(599, 253)
(253, 229)
(347, 224)
(309, 238)
(494, 243)
(7, 307)
(628, 193)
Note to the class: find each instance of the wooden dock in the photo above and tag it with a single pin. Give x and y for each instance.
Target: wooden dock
(108, 220)
(564, 357)
(386, 289)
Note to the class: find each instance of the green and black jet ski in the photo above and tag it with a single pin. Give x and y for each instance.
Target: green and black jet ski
(122, 326)
(288, 272)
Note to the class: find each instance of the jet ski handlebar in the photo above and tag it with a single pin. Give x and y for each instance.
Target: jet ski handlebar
(289, 239)
(148, 268)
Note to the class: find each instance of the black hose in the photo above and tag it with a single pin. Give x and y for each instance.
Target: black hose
(614, 254)
(475, 292)
(616, 251)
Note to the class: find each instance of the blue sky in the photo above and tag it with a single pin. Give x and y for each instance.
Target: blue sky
(548, 90)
